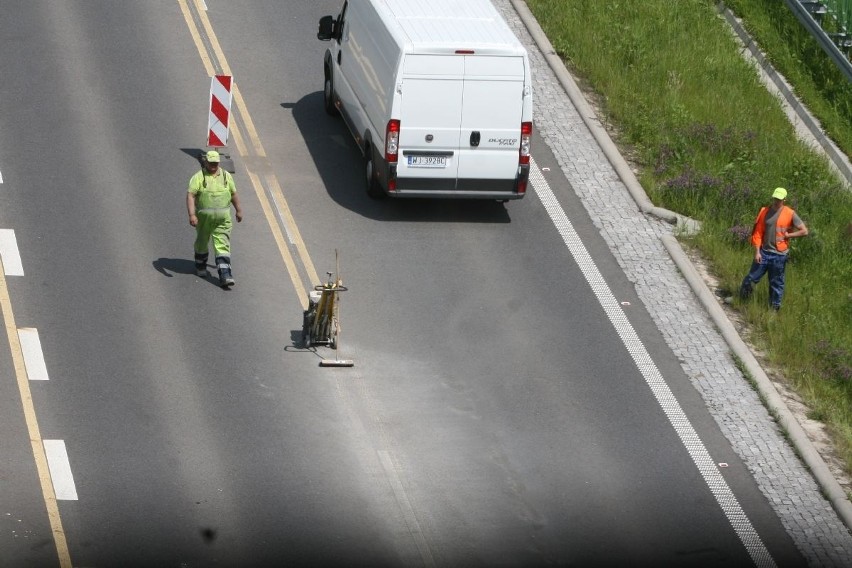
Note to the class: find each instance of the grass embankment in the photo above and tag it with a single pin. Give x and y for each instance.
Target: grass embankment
(712, 143)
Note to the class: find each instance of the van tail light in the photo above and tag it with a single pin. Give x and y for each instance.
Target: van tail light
(526, 134)
(392, 141)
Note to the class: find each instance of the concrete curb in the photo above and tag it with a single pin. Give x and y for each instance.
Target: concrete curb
(832, 489)
(590, 119)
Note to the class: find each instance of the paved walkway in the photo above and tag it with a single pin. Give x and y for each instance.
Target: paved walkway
(635, 240)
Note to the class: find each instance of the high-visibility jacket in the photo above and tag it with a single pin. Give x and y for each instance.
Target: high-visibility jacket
(212, 191)
(784, 222)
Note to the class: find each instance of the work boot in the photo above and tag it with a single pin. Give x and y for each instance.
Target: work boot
(223, 263)
(201, 264)
(746, 290)
(225, 278)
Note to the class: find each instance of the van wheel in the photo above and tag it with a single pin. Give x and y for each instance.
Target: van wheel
(328, 95)
(374, 188)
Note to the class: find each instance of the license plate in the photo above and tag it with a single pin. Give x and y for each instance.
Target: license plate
(427, 161)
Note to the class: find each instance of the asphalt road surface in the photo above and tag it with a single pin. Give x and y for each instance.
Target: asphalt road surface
(511, 402)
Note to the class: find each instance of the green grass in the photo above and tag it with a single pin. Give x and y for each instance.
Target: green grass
(711, 142)
(796, 55)
(838, 18)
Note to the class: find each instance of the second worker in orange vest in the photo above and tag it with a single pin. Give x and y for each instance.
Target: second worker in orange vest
(769, 239)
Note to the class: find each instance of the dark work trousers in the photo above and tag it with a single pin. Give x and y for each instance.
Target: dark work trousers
(773, 263)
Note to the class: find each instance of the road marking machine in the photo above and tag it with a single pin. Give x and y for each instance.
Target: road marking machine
(321, 323)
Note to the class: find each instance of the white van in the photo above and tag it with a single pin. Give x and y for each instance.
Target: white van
(437, 95)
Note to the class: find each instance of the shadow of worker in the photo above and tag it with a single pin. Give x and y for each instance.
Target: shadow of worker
(171, 266)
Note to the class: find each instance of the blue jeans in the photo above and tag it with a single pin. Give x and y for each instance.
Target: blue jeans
(774, 264)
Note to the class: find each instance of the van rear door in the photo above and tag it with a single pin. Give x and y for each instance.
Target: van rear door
(492, 110)
(431, 112)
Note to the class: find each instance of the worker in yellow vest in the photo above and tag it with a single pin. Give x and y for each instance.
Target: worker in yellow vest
(770, 237)
(208, 202)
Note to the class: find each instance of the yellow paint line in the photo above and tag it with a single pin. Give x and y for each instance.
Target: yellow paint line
(274, 186)
(273, 224)
(279, 239)
(235, 91)
(199, 44)
(257, 145)
(214, 41)
(238, 139)
(32, 425)
(238, 97)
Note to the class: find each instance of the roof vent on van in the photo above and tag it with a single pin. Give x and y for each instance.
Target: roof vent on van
(465, 52)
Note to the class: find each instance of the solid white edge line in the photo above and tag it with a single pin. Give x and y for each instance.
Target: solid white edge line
(9, 251)
(33, 354)
(60, 470)
(653, 378)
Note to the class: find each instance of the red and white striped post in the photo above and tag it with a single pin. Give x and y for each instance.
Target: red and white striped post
(220, 110)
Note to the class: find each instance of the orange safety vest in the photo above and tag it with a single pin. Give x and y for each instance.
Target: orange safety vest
(785, 221)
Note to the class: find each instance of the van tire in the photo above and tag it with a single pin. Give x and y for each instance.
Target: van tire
(374, 188)
(328, 95)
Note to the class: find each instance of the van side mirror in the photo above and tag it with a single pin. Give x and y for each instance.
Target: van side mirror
(326, 28)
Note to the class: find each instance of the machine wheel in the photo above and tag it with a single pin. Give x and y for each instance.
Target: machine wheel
(307, 321)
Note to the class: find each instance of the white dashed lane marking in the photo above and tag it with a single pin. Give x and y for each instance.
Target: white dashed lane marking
(60, 470)
(33, 355)
(9, 253)
(51, 459)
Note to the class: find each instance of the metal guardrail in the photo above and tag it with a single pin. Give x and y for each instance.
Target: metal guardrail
(803, 14)
(841, 13)
(837, 157)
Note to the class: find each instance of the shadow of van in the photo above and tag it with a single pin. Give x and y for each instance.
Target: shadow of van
(341, 167)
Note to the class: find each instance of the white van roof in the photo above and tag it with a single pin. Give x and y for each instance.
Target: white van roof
(440, 26)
